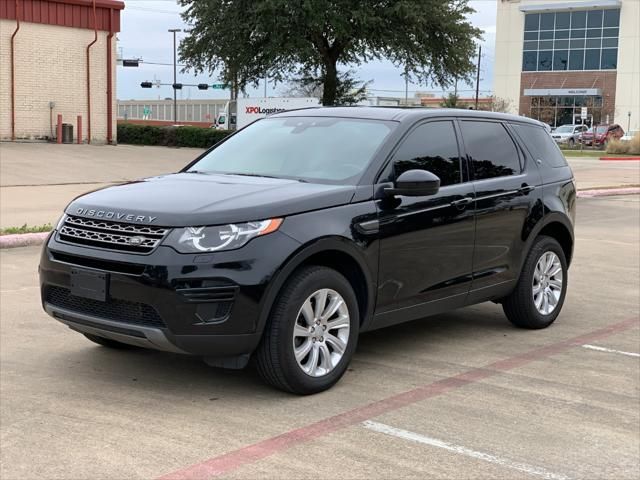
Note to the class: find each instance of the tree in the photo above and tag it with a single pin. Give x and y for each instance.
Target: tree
(450, 101)
(498, 104)
(349, 90)
(432, 39)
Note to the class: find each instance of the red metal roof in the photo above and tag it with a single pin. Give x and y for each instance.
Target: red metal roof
(65, 13)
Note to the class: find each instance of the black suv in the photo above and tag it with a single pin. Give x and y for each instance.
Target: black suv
(287, 239)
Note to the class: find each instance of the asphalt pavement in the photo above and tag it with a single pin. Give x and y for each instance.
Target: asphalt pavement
(460, 395)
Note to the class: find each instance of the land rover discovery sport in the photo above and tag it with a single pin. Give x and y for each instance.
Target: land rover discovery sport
(290, 237)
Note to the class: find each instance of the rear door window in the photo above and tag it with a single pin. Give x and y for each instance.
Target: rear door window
(491, 149)
(540, 144)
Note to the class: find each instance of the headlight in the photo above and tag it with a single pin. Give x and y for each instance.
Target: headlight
(223, 237)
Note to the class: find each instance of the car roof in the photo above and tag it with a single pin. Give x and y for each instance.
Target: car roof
(400, 114)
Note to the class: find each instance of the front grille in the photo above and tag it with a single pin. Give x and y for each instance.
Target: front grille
(124, 311)
(111, 235)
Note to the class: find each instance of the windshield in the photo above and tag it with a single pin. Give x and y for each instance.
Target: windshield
(599, 129)
(564, 129)
(313, 149)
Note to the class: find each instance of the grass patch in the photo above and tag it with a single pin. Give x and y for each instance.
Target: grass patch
(26, 229)
(584, 153)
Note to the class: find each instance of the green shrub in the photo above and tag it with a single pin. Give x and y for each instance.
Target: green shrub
(185, 136)
(139, 134)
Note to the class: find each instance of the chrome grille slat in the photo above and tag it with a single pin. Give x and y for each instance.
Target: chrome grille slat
(117, 227)
(111, 235)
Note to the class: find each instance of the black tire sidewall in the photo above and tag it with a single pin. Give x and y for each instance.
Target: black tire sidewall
(299, 289)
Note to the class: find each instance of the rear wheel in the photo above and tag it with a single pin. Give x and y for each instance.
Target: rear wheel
(539, 295)
(311, 334)
(107, 342)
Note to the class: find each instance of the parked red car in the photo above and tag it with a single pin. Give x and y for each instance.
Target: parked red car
(601, 134)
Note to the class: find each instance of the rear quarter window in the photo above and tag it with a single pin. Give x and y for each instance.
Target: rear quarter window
(540, 144)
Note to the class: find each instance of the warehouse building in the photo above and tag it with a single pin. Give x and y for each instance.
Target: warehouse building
(555, 57)
(58, 57)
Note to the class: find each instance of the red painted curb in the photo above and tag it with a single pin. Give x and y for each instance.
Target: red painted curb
(23, 239)
(235, 459)
(619, 158)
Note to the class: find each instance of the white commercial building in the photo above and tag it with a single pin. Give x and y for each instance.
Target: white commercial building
(554, 57)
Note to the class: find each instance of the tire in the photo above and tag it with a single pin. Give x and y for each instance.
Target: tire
(571, 143)
(107, 342)
(519, 306)
(275, 357)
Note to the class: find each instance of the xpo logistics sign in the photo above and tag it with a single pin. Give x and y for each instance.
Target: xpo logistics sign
(257, 110)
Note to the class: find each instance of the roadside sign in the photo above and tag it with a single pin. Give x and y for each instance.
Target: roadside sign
(583, 113)
(218, 86)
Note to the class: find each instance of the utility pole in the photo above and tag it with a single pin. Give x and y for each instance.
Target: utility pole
(478, 75)
(175, 74)
(406, 88)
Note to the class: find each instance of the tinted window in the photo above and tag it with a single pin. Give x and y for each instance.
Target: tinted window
(491, 149)
(540, 145)
(432, 147)
(316, 149)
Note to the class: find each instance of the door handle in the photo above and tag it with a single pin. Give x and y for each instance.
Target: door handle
(526, 189)
(463, 202)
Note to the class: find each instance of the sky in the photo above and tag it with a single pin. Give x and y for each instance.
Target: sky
(144, 35)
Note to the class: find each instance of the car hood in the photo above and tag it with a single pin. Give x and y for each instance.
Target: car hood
(191, 199)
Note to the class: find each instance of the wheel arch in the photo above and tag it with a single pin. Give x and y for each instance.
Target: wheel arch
(557, 226)
(337, 253)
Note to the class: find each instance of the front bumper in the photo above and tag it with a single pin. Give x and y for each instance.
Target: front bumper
(200, 304)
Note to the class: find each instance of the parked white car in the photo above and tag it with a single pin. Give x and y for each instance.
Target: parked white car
(568, 134)
(629, 135)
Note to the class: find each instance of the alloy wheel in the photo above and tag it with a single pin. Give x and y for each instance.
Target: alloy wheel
(547, 283)
(321, 332)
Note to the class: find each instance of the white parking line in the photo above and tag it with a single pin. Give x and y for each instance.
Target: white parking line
(608, 350)
(486, 457)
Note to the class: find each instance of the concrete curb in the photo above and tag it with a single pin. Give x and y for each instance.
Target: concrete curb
(607, 192)
(619, 159)
(23, 239)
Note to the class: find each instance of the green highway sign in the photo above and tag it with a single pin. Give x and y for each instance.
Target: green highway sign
(219, 86)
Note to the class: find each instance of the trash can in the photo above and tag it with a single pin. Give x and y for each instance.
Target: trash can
(67, 133)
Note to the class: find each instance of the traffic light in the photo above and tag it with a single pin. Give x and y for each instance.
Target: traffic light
(177, 86)
(146, 84)
(203, 86)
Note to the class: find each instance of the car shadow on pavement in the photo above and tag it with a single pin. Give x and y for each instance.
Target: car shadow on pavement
(188, 377)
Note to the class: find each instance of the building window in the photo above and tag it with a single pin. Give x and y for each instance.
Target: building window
(556, 111)
(580, 40)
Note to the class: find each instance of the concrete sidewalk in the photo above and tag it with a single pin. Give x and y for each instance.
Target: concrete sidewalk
(38, 180)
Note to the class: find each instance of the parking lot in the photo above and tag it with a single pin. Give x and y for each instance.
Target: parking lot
(459, 395)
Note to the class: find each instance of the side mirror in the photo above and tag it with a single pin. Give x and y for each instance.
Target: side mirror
(415, 183)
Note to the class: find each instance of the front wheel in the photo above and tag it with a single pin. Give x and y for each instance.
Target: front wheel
(539, 294)
(571, 143)
(311, 334)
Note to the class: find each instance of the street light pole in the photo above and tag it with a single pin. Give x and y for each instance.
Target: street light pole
(175, 75)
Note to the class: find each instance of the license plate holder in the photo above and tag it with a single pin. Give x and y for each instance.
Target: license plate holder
(89, 284)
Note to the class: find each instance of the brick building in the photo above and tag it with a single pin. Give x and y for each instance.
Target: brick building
(554, 57)
(58, 57)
